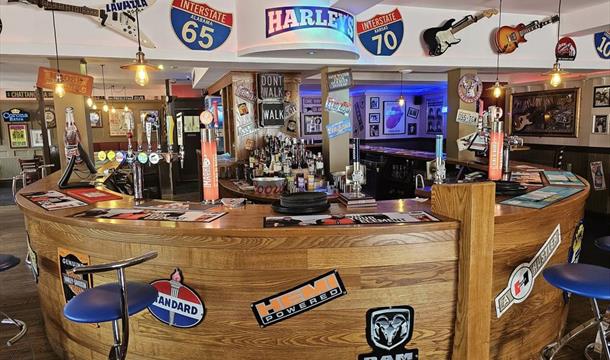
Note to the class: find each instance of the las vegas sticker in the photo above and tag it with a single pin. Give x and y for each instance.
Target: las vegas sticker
(199, 26)
(382, 34)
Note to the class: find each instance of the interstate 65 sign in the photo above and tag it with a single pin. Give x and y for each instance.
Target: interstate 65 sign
(198, 26)
(382, 34)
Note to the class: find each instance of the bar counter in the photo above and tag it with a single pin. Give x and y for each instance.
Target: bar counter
(450, 272)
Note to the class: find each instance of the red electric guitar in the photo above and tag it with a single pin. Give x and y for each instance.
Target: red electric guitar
(508, 38)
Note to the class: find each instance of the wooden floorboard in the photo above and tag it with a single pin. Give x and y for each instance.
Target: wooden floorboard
(19, 298)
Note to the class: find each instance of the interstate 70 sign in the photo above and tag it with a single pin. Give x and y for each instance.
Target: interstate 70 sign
(382, 34)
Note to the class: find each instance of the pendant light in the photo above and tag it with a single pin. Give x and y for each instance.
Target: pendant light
(497, 88)
(556, 73)
(105, 106)
(126, 108)
(90, 102)
(140, 65)
(60, 90)
(401, 98)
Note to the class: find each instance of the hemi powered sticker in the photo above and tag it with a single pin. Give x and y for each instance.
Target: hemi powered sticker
(521, 280)
(299, 299)
(177, 304)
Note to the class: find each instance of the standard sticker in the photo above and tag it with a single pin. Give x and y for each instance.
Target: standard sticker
(177, 305)
(388, 330)
(199, 26)
(521, 280)
(382, 34)
(299, 299)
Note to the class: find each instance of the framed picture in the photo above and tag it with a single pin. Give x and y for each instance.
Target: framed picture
(191, 124)
(151, 116)
(412, 129)
(116, 123)
(374, 118)
(36, 138)
(600, 124)
(18, 135)
(597, 175)
(374, 103)
(95, 118)
(413, 112)
(393, 118)
(545, 113)
(374, 130)
(601, 96)
(312, 124)
(435, 117)
(49, 117)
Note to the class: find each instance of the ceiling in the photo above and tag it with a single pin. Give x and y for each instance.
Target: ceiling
(541, 7)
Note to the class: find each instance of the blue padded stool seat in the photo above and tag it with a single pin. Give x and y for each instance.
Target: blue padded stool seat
(8, 261)
(581, 279)
(603, 243)
(103, 303)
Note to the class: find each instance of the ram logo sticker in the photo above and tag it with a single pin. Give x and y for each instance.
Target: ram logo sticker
(388, 330)
(177, 305)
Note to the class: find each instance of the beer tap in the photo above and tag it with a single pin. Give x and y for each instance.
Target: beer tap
(179, 126)
(357, 173)
(440, 174)
(509, 142)
(136, 167)
(148, 126)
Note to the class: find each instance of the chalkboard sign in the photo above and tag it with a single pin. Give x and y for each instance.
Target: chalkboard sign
(270, 86)
(16, 115)
(339, 80)
(272, 114)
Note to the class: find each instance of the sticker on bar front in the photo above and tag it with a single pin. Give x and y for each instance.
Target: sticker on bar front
(382, 34)
(199, 26)
(299, 299)
(177, 305)
(521, 281)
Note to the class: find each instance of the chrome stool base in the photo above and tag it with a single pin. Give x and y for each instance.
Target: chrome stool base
(18, 323)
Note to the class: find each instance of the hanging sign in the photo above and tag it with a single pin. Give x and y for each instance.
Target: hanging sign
(199, 26)
(73, 284)
(339, 128)
(338, 80)
(602, 44)
(388, 330)
(565, 50)
(521, 281)
(382, 34)
(270, 86)
(271, 114)
(341, 107)
(290, 18)
(74, 83)
(177, 304)
(15, 115)
(299, 299)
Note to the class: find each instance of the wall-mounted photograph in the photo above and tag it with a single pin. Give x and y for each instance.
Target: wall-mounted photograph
(413, 112)
(545, 113)
(373, 130)
(434, 117)
(374, 118)
(412, 129)
(393, 118)
(601, 96)
(95, 118)
(600, 124)
(374, 103)
(312, 124)
(18, 136)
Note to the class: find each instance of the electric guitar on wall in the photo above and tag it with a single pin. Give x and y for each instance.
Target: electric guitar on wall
(117, 15)
(508, 38)
(439, 39)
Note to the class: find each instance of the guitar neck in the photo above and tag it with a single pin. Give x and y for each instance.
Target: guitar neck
(467, 21)
(47, 5)
(536, 25)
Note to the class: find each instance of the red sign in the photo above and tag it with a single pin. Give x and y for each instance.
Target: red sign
(565, 49)
(73, 83)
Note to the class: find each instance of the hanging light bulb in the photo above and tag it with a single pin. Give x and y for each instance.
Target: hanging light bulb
(556, 75)
(89, 101)
(140, 65)
(401, 100)
(113, 110)
(105, 107)
(126, 108)
(94, 107)
(141, 76)
(60, 90)
(497, 89)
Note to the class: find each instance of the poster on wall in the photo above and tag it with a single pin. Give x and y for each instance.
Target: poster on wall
(545, 113)
(18, 136)
(116, 123)
(95, 118)
(339, 80)
(312, 124)
(601, 96)
(73, 284)
(382, 34)
(198, 26)
(434, 117)
(597, 175)
(600, 124)
(393, 118)
(359, 111)
(36, 137)
(291, 18)
(49, 117)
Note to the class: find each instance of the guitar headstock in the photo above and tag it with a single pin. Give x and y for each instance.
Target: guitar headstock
(489, 12)
(554, 18)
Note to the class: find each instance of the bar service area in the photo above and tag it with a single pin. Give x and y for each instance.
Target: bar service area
(370, 180)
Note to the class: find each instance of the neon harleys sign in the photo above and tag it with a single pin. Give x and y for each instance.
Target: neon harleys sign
(283, 19)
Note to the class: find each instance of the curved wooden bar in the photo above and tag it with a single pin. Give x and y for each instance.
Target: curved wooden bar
(234, 261)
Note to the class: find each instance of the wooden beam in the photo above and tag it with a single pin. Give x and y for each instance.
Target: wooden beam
(473, 205)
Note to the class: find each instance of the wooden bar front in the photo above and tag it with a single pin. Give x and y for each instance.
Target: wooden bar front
(449, 272)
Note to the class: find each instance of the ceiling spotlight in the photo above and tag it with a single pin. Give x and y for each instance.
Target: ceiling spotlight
(160, 67)
(311, 52)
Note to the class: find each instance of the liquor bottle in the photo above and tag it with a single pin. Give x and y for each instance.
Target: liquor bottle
(598, 181)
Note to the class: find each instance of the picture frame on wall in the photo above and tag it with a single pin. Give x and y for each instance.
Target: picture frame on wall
(413, 113)
(374, 118)
(547, 113)
(394, 122)
(435, 118)
(374, 130)
(601, 96)
(600, 124)
(116, 123)
(18, 136)
(36, 138)
(412, 129)
(95, 118)
(312, 124)
(374, 103)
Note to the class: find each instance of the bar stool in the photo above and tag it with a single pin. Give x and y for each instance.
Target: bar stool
(8, 262)
(603, 243)
(110, 302)
(585, 280)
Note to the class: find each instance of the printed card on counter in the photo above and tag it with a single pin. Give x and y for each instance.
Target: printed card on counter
(526, 177)
(562, 178)
(542, 198)
(167, 205)
(92, 195)
(158, 215)
(349, 219)
(53, 200)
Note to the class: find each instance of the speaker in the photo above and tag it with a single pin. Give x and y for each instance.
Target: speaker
(418, 99)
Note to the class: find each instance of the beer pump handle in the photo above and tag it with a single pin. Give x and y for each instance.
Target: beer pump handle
(179, 128)
(148, 126)
(169, 122)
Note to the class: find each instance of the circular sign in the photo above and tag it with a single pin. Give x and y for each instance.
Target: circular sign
(49, 117)
(521, 283)
(565, 50)
(111, 155)
(154, 158)
(120, 156)
(602, 44)
(143, 158)
(470, 88)
(206, 117)
(177, 304)
(101, 155)
(198, 26)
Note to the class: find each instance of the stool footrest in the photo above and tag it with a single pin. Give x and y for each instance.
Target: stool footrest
(18, 323)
